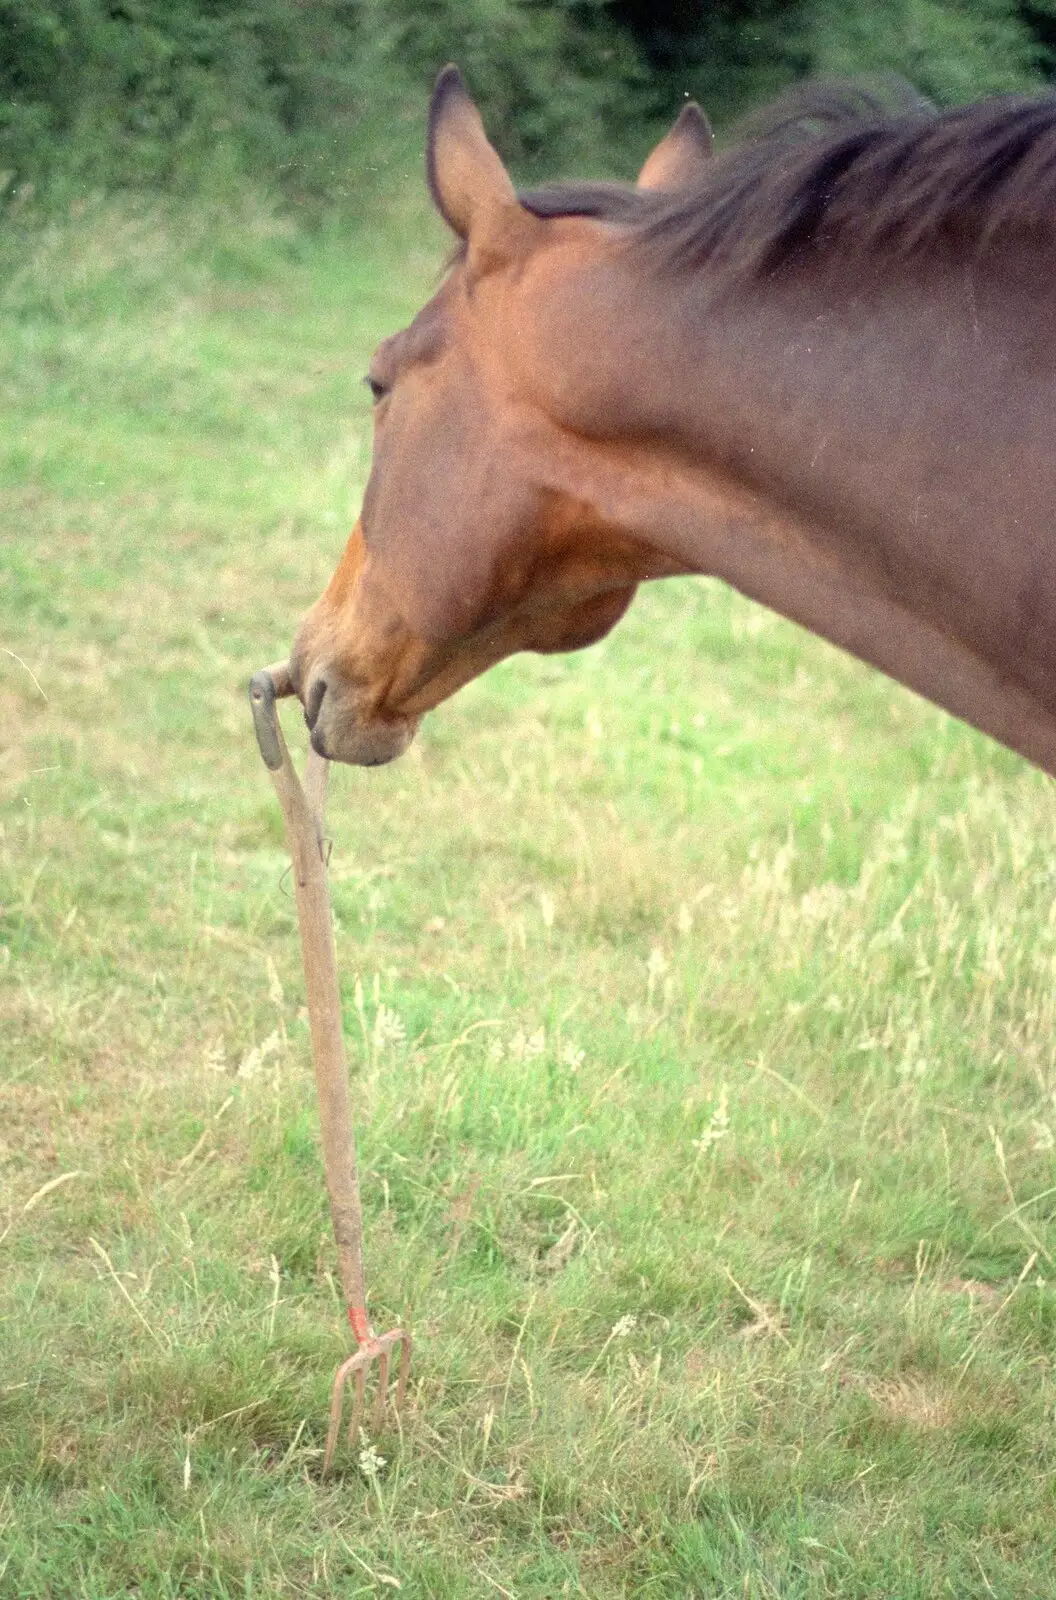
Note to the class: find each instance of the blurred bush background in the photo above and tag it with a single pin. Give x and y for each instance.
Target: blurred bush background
(322, 101)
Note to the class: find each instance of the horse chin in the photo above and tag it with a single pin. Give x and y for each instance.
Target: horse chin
(361, 743)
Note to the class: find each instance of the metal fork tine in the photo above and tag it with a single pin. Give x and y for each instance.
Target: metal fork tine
(383, 1390)
(357, 1409)
(336, 1404)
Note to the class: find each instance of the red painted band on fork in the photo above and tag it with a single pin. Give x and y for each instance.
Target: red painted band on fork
(360, 1324)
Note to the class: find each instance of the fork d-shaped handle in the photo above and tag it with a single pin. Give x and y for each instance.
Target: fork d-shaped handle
(304, 834)
(265, 687)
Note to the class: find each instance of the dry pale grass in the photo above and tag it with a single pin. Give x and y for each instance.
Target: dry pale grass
(699, 996)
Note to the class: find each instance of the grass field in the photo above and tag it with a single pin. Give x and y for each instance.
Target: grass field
(699, 992)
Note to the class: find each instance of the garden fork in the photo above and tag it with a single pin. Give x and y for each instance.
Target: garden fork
(304, 813)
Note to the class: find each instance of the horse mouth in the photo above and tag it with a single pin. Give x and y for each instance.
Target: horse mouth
(339, 734)
(343, 718)
(371, 756)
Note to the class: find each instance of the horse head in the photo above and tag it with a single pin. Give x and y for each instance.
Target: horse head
(486, 525)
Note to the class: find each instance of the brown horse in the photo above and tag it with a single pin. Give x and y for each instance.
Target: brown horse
(821, 366)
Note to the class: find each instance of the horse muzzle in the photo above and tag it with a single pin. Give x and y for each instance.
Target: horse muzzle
(341, 732)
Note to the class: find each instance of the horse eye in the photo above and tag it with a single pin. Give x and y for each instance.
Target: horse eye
(378, 390)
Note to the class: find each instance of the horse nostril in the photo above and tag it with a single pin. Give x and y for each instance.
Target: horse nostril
(314, 701)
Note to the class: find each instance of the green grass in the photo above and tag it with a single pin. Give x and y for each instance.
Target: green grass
(699, 991)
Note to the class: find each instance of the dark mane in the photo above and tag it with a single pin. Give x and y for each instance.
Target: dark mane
(833, 167)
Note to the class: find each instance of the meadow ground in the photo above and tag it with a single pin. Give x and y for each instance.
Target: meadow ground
(700, 997)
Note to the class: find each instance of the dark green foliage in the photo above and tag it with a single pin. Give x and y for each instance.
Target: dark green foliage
(315, 97)
(324, 99)
(177, 92)
(734, 53)
(557, 82)
(727, 55)
(953, 50)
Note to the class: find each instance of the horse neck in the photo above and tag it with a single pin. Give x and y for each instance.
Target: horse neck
(862, 412)
(869, 458)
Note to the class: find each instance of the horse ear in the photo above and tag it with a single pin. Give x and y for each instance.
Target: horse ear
(679, 159)
(467, 179)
